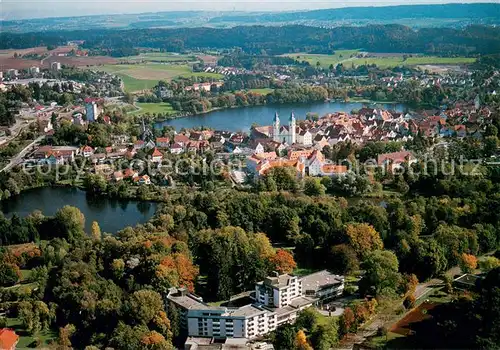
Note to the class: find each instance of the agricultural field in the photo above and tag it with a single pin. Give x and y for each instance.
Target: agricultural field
(153, 108)
(348, 58)
(394, 61)
(160, 57)
(137, 77)
(324, 60)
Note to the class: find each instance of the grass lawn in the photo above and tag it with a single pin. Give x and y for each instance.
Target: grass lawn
(137, 77)
(303, 271)
(154, 108)
(25, 339)
(26, 274)
(378, 342)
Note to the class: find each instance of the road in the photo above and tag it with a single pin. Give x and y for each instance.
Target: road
(18, 158)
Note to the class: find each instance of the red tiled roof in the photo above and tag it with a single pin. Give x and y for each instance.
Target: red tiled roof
(156, 153)
(8, 338)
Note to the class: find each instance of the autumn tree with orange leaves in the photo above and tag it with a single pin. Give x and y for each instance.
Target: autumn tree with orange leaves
(283, 261)
(468, 263)
(363, 238)
(301, 341)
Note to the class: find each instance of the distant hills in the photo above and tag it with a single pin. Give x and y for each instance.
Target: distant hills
(415, 16)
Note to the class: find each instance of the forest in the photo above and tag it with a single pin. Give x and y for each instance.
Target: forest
(473, 40)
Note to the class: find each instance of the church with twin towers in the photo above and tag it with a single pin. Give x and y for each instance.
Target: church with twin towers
(285, 133)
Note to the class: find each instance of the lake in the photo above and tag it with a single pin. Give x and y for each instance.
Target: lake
(111, 214)
(241, 119)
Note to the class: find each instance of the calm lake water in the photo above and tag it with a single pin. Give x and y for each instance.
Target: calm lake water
(112, 215)
(241, 119)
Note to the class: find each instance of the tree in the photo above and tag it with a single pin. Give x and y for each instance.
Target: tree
(313, 187)
(144, 304)
(363, 238)
(65, 333)
(347, 323)
(343, 259)
(381, 274)
(326, 336)
(284, 337)
(468, 263)
(70, 221)
(301, 341)
(283, 261)
(96, 231)
(489, 263)
(9, 274)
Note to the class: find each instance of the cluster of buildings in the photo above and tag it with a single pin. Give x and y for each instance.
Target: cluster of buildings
(275, 301)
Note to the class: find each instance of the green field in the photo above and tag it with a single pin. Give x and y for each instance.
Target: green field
(160, 57)
(390, 62)
(347, 57)
(137, 77)
(154, 108)
(324, 60)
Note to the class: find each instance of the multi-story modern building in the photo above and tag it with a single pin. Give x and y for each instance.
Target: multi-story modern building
(278, 300)
(91, 109)
(202, 320)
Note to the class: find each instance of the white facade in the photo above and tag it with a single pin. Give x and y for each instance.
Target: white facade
(202, 320)
(285, 134)
(304, 138)
(278, 291)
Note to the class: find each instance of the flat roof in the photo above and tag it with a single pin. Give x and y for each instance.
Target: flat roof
(278, 281)
(246, 311)
(187, 302)
(319, 280)
(301, 301)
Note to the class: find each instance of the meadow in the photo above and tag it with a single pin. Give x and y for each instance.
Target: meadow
(394, 61)
(153, 108)
(138, 77)
(324, 60)
(160, 57)
(348, 58)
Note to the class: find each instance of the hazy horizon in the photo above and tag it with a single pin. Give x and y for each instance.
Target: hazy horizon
(31, 9)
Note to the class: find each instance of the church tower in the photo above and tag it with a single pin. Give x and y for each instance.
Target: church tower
(276, 127)
(292, 129)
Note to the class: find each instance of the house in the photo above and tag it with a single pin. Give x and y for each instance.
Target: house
(460, 131)
(162, 142)
(304, 138)
(395, 159)
(181, 139)
(156, 156)
(8, 339)
(142, 180)
(87, 151)
(176, 148)
(323, 285)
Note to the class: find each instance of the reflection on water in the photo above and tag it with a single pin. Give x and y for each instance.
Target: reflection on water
(111, 214)
(241, 119)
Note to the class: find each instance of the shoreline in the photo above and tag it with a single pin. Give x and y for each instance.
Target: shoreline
(159, 121)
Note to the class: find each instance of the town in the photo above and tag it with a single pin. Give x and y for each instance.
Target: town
(304, 184)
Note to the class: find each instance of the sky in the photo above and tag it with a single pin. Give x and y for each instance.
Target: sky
(21, 9)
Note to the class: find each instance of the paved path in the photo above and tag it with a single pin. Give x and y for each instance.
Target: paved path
(18, 158)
